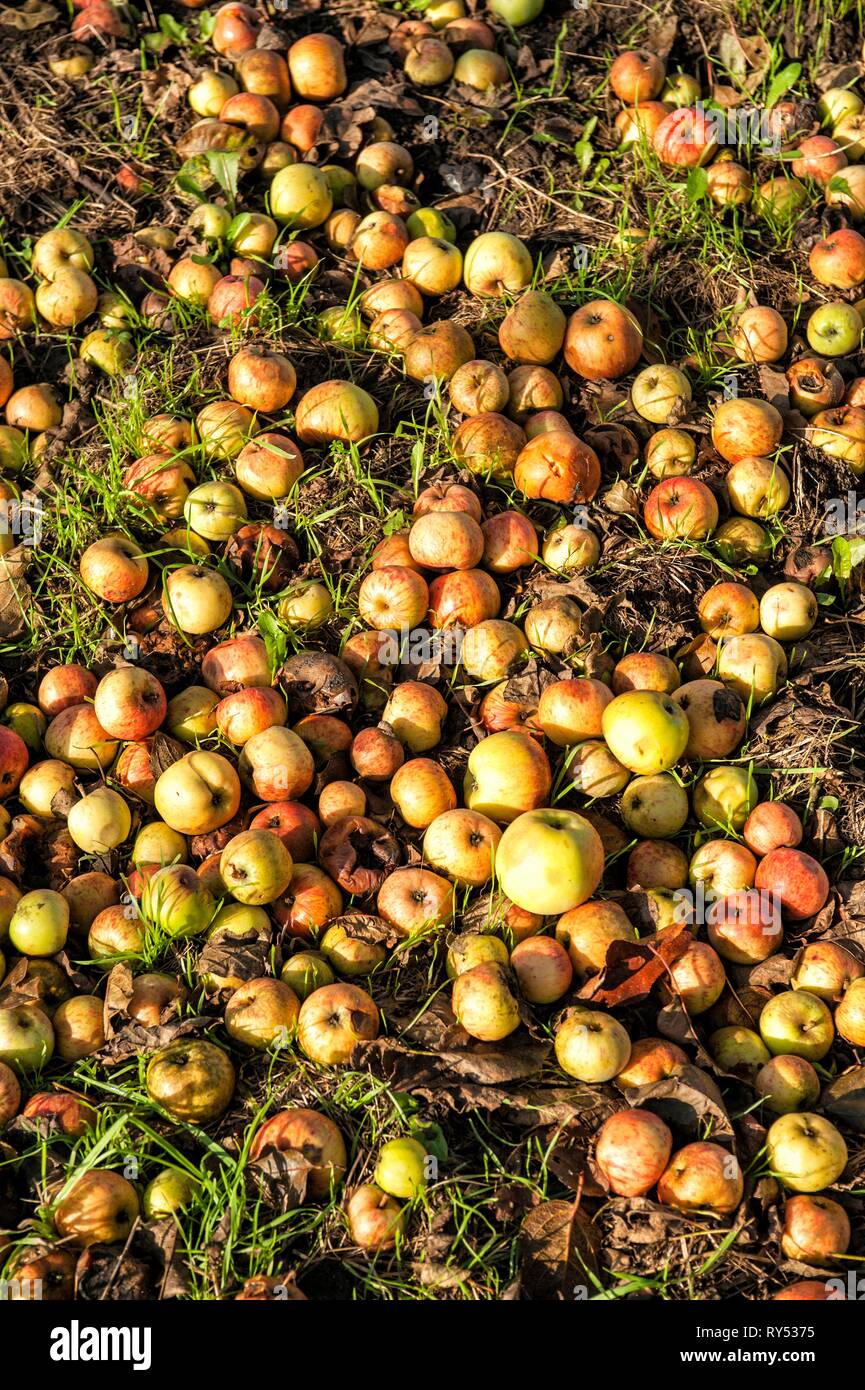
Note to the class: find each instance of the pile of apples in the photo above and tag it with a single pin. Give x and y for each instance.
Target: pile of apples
(287, 834)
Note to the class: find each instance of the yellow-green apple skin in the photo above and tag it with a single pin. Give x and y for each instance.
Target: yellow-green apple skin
(177, 902)
(645, 730)
(100, 821)
(508, 773)
(798, 1024)
(401, 1168)
(549, 861)
(484, 1004)
(255, 867)
(805, 1152)
(724, 797)
(168, 1192)
(655, 807)
(591, 1045)
(40, 923)
(26, 1037)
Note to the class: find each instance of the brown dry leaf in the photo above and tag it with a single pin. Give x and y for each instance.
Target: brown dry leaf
(559, 1252)
(280, 1178)
(689, 1101)
(774, 971)
(844, 1099)
(118, 992)
(132, 1040)
(163, 752)
(16, 597)
(161, 1236)
(633, 968)
(774, 387)
(228, 955)
(661, 34)
(31, 15)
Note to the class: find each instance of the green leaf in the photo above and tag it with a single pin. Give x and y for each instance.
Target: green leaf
(237, 225)
(187, 184)
(395, 522)
(782, 82)
(856, 546)
(173, 30)
(274, 639)
(584, 153)
(842, 563)
(432, 1137)
(698, 185)
(828, 803)
(224, 166)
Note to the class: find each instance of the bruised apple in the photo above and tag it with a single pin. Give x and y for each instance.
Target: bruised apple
(333, 1020)
(702, 1177)
(311, 1134)
(192, 1079)
(484, 1004)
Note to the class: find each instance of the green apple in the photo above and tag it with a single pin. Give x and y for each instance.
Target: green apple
(655, 807)
(192, 714)
(306, 971)
(237, 919)
(471, 948)
(485, 1004)
(805, 1152)
(100, 821)
(176, 901)
(645, 730)
(591, 1045)
(215, 510)
(724, 798)
(516, 12)
(300, 195)
(788, 1083)
(255, 867)
(157, 843)
(738, 1047)
(431, 222)
(508, 773)
(26, 1037)
(170, 1191)
(549, 861)
(401, 1168)
(788, 611)
(28, 722)
(798, 1024)
(40, 923)
(834, 329)
(838, 102)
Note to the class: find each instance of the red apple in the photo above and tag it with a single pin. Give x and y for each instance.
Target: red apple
(632, 1151)
(797, 881)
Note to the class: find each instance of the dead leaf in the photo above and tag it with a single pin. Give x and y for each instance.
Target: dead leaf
(559, 1252)
(16, 598)
(633, 968)
(280, 1177)
(844, 1099)
(688, 1101)
(31, 15)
